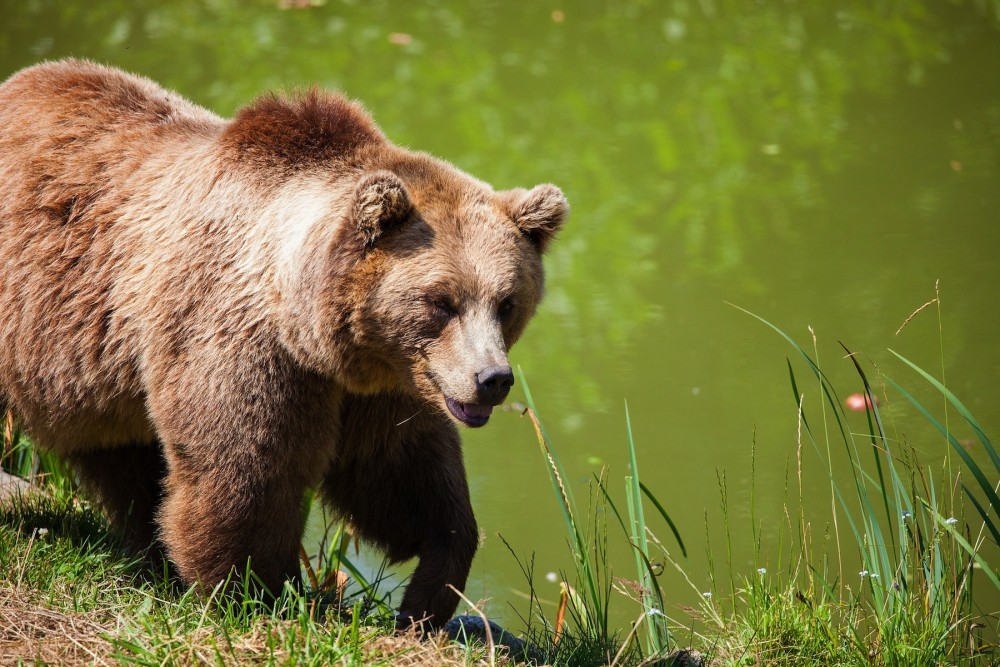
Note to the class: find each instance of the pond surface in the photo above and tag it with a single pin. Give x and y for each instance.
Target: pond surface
(822, 165)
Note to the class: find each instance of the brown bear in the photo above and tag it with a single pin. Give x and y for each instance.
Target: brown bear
(209, 317)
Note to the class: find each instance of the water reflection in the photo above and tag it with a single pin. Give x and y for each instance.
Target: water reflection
(689, 135)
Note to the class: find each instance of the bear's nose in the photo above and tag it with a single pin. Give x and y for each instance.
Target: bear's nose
(493, 383)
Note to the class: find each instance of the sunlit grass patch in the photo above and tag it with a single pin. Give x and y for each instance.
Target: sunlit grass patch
(59, 547)
(71, 596)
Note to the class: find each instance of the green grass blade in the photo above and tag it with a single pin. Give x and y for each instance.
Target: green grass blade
(838, 493)
(877, 437)
(370, 589)
(974, 468)
(564, 494)
(986, 568)
(987, 521)
(832, 399)
(962, 410)
(638, 520)
(567, 504)
(656, 618)
(666, 517)
(657, 633)
(795, 390)
(817, 371)
(611, 503)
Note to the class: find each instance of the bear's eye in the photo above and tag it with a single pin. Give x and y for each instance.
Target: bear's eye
(442, 307)
(505, 308)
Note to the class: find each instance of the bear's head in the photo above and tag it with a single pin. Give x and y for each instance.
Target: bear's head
(423, 279)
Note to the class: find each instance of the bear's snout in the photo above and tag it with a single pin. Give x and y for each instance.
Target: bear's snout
(493, 384)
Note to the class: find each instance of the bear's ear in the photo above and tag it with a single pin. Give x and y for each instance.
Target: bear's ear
(539, 213)
(380, 203)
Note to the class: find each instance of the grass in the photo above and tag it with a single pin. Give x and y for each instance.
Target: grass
(889, 577)
(71, 596)
(911, 601)
(919, 534)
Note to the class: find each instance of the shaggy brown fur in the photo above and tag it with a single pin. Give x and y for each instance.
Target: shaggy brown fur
(208, 317)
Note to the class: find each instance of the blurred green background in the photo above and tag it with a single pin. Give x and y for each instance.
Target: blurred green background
(822, 164)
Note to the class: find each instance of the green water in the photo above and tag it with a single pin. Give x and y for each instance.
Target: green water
(820, 164)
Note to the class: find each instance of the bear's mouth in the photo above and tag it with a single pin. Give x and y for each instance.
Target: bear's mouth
(469, 414)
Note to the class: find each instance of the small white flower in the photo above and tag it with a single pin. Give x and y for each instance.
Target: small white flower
(863, 573)
(951, 521)
(906, 515)
(873, 575)
(654, 612)
(762, 570)
(42, 532)
(707, 594)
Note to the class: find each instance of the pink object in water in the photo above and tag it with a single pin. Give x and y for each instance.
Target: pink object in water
(859, 402)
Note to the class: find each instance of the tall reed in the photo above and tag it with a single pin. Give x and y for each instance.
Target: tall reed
(919, 555)
(589, 602)
(911, 602)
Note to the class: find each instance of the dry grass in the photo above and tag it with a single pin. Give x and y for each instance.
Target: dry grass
(68, 597)
(33, 632)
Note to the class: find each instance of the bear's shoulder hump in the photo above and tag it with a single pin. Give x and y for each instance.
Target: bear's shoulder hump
(299, 130)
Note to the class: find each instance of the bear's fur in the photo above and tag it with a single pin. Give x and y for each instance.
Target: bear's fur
(209, 317)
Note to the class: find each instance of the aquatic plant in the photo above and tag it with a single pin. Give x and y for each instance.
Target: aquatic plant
(909, 602)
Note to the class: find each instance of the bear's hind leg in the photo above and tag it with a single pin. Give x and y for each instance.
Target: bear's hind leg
(127, 482)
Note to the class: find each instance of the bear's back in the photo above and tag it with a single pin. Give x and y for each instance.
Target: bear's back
(73, 137)
(91, 100)
(74, 129)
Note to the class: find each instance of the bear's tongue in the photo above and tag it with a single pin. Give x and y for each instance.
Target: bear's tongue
(470, 413)
(477, 411)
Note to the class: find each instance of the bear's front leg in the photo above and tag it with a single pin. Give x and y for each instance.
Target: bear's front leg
(398, 477)
(217, 520)
(242, 447)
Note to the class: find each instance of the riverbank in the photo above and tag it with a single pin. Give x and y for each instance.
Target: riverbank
(69, 596)
(925, 536)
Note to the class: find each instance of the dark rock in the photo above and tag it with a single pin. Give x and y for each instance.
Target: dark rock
(686, 658)
(468, 630)
(471, 629)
